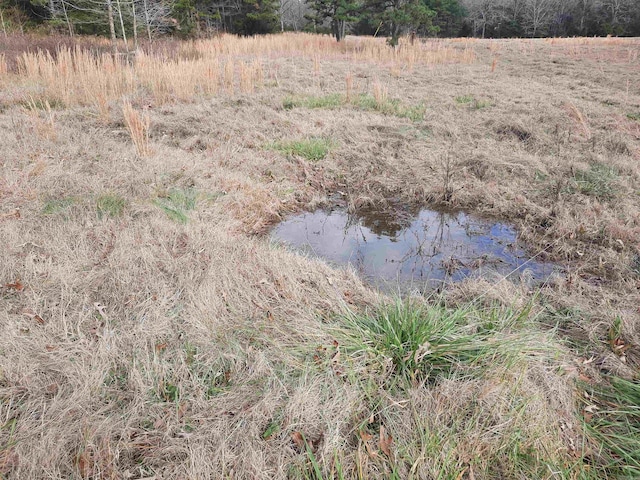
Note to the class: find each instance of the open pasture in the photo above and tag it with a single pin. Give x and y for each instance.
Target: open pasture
(151, 328)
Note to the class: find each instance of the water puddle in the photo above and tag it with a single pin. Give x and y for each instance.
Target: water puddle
(422, 251)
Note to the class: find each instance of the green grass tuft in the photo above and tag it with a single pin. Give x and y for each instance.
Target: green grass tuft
(472, 102)
(177, 202)
(391, 107)
(57, 205)
(615, 427)
(634, 116)
(111, 205)
(429, 342)
(333, 100)
(597, 182)
(312, 149)
(464, 99)
(169, 392)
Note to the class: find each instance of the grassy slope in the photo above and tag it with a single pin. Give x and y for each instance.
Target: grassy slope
(152, 332)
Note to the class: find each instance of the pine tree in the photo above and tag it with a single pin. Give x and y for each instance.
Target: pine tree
(256, 17)
(398, 16)
(338, 12)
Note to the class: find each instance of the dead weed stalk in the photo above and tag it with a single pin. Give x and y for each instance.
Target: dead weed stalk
(138, 124)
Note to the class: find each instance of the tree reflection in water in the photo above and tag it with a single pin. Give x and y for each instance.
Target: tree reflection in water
(419, 248)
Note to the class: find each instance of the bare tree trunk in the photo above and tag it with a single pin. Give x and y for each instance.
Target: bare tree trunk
(66, 17)
(124, 33)
(135, 26)
(4, 27)
(146, 17)
(112, 29)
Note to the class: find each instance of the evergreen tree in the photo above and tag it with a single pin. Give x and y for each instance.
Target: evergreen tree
(449, 16)
(338, 12)
(256, 17)
(397, 16)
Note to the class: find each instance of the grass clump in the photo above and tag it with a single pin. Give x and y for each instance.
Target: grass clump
(634, 116)
(57, 205)
(597, 182)
(472, 102)
(177, 202)
(333, 100)
(485, 409)
(464, 99)
(430, 342)
(312, 149)
(613, 416)
(392, 107)
(110, 205)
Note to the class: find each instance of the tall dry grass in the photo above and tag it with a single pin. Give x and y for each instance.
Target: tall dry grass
(77, 76)
(138, 124)
(380, 92)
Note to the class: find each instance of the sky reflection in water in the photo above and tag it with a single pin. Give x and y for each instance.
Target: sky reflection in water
(421, 251)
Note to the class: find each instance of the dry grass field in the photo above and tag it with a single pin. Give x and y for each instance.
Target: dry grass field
(150, 328)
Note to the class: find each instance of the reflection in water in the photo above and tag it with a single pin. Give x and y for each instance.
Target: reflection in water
(425, 250)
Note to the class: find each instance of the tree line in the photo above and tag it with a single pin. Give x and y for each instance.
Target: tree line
(390, 18)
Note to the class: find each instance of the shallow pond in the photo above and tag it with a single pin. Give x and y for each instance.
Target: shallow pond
(422, 251)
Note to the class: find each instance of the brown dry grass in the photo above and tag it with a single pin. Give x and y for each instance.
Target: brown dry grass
(162, 334)
(138, 125)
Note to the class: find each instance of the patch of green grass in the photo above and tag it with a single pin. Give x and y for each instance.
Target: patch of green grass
(333, 100)
(312, 149)
(217, 381)
(169, 392)
(464, 99)
(597, 182)
(634, 116)
(472, 102)
(615, 427)
(429, 342)
(57, 205)
(177, 202)
(391, 107)
(111, 205)
(271, 430)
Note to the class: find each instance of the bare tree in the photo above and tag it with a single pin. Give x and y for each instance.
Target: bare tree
(292, 14)
(537, 15)
(154, 15)
(482, 13)
(617, 13)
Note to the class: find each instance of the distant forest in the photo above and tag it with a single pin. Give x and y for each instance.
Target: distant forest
(390, 18)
